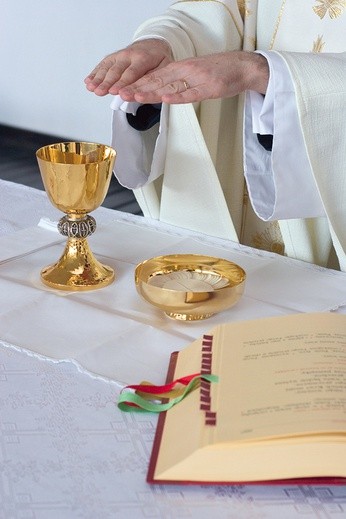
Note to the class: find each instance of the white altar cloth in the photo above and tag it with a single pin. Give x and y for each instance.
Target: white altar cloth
(66, 451)
(112, 332)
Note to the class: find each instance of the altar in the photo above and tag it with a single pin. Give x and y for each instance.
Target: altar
(67, 451)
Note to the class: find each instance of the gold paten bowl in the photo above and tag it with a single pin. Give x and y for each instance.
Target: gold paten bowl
(190, 287)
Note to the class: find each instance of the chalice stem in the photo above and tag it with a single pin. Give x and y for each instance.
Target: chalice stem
(77, 269)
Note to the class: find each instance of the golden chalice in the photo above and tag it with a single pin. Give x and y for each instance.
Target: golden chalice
(76, 177)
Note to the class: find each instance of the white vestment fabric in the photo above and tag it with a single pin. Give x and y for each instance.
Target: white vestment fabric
(272, 183)
(202, 182)
(273, 193)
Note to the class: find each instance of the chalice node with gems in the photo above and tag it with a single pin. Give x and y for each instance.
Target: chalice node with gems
(76, 177)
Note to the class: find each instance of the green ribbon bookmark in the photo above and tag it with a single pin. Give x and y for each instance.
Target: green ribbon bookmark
(155, 399)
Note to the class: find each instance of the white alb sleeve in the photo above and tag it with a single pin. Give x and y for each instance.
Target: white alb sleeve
(280, 182)
(140, 154)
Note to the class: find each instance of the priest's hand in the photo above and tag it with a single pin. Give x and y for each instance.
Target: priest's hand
(196, 79)
(126, 66)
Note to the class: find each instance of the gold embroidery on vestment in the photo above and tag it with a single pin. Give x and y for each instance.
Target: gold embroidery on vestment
(278, 21)
(334, 8)
(239, 29)
(243, 8)
(318, 44)
(244, 212)
(269, 240)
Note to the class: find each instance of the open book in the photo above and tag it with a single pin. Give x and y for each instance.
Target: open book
(278, 411)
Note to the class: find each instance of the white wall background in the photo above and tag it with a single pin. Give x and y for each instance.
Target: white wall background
(48, 47)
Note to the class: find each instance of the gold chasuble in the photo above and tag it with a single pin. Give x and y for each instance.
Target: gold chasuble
(202, 186)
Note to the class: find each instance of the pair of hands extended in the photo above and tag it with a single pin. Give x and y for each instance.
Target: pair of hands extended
(147, 73)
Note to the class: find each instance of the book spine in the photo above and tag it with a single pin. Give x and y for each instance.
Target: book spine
(210, 416)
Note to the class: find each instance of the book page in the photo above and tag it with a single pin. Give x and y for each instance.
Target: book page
(277, 411)
(279, 377)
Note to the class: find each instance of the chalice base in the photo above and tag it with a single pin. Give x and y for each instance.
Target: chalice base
(188, 317)
(77, 269)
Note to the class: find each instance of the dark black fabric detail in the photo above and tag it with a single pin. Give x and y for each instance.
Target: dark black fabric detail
(145, 118)
(266, 141)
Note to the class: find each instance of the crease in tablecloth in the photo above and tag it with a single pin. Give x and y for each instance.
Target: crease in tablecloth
(44, 358)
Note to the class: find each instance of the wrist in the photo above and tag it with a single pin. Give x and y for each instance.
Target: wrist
(256, 72)
(154, 42)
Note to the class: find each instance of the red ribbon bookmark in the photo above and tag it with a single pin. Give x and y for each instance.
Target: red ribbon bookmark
(154, 398)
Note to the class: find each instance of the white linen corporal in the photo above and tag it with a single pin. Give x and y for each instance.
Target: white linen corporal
(112, 333)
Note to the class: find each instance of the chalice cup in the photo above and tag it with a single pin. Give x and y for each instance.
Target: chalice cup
(76, 177)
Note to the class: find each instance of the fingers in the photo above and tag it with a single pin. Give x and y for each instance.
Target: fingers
(152, 77)
(192, 80)
(113, 73)
(174, 92)
(107, 75)
(125, 67)
(171, 84)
